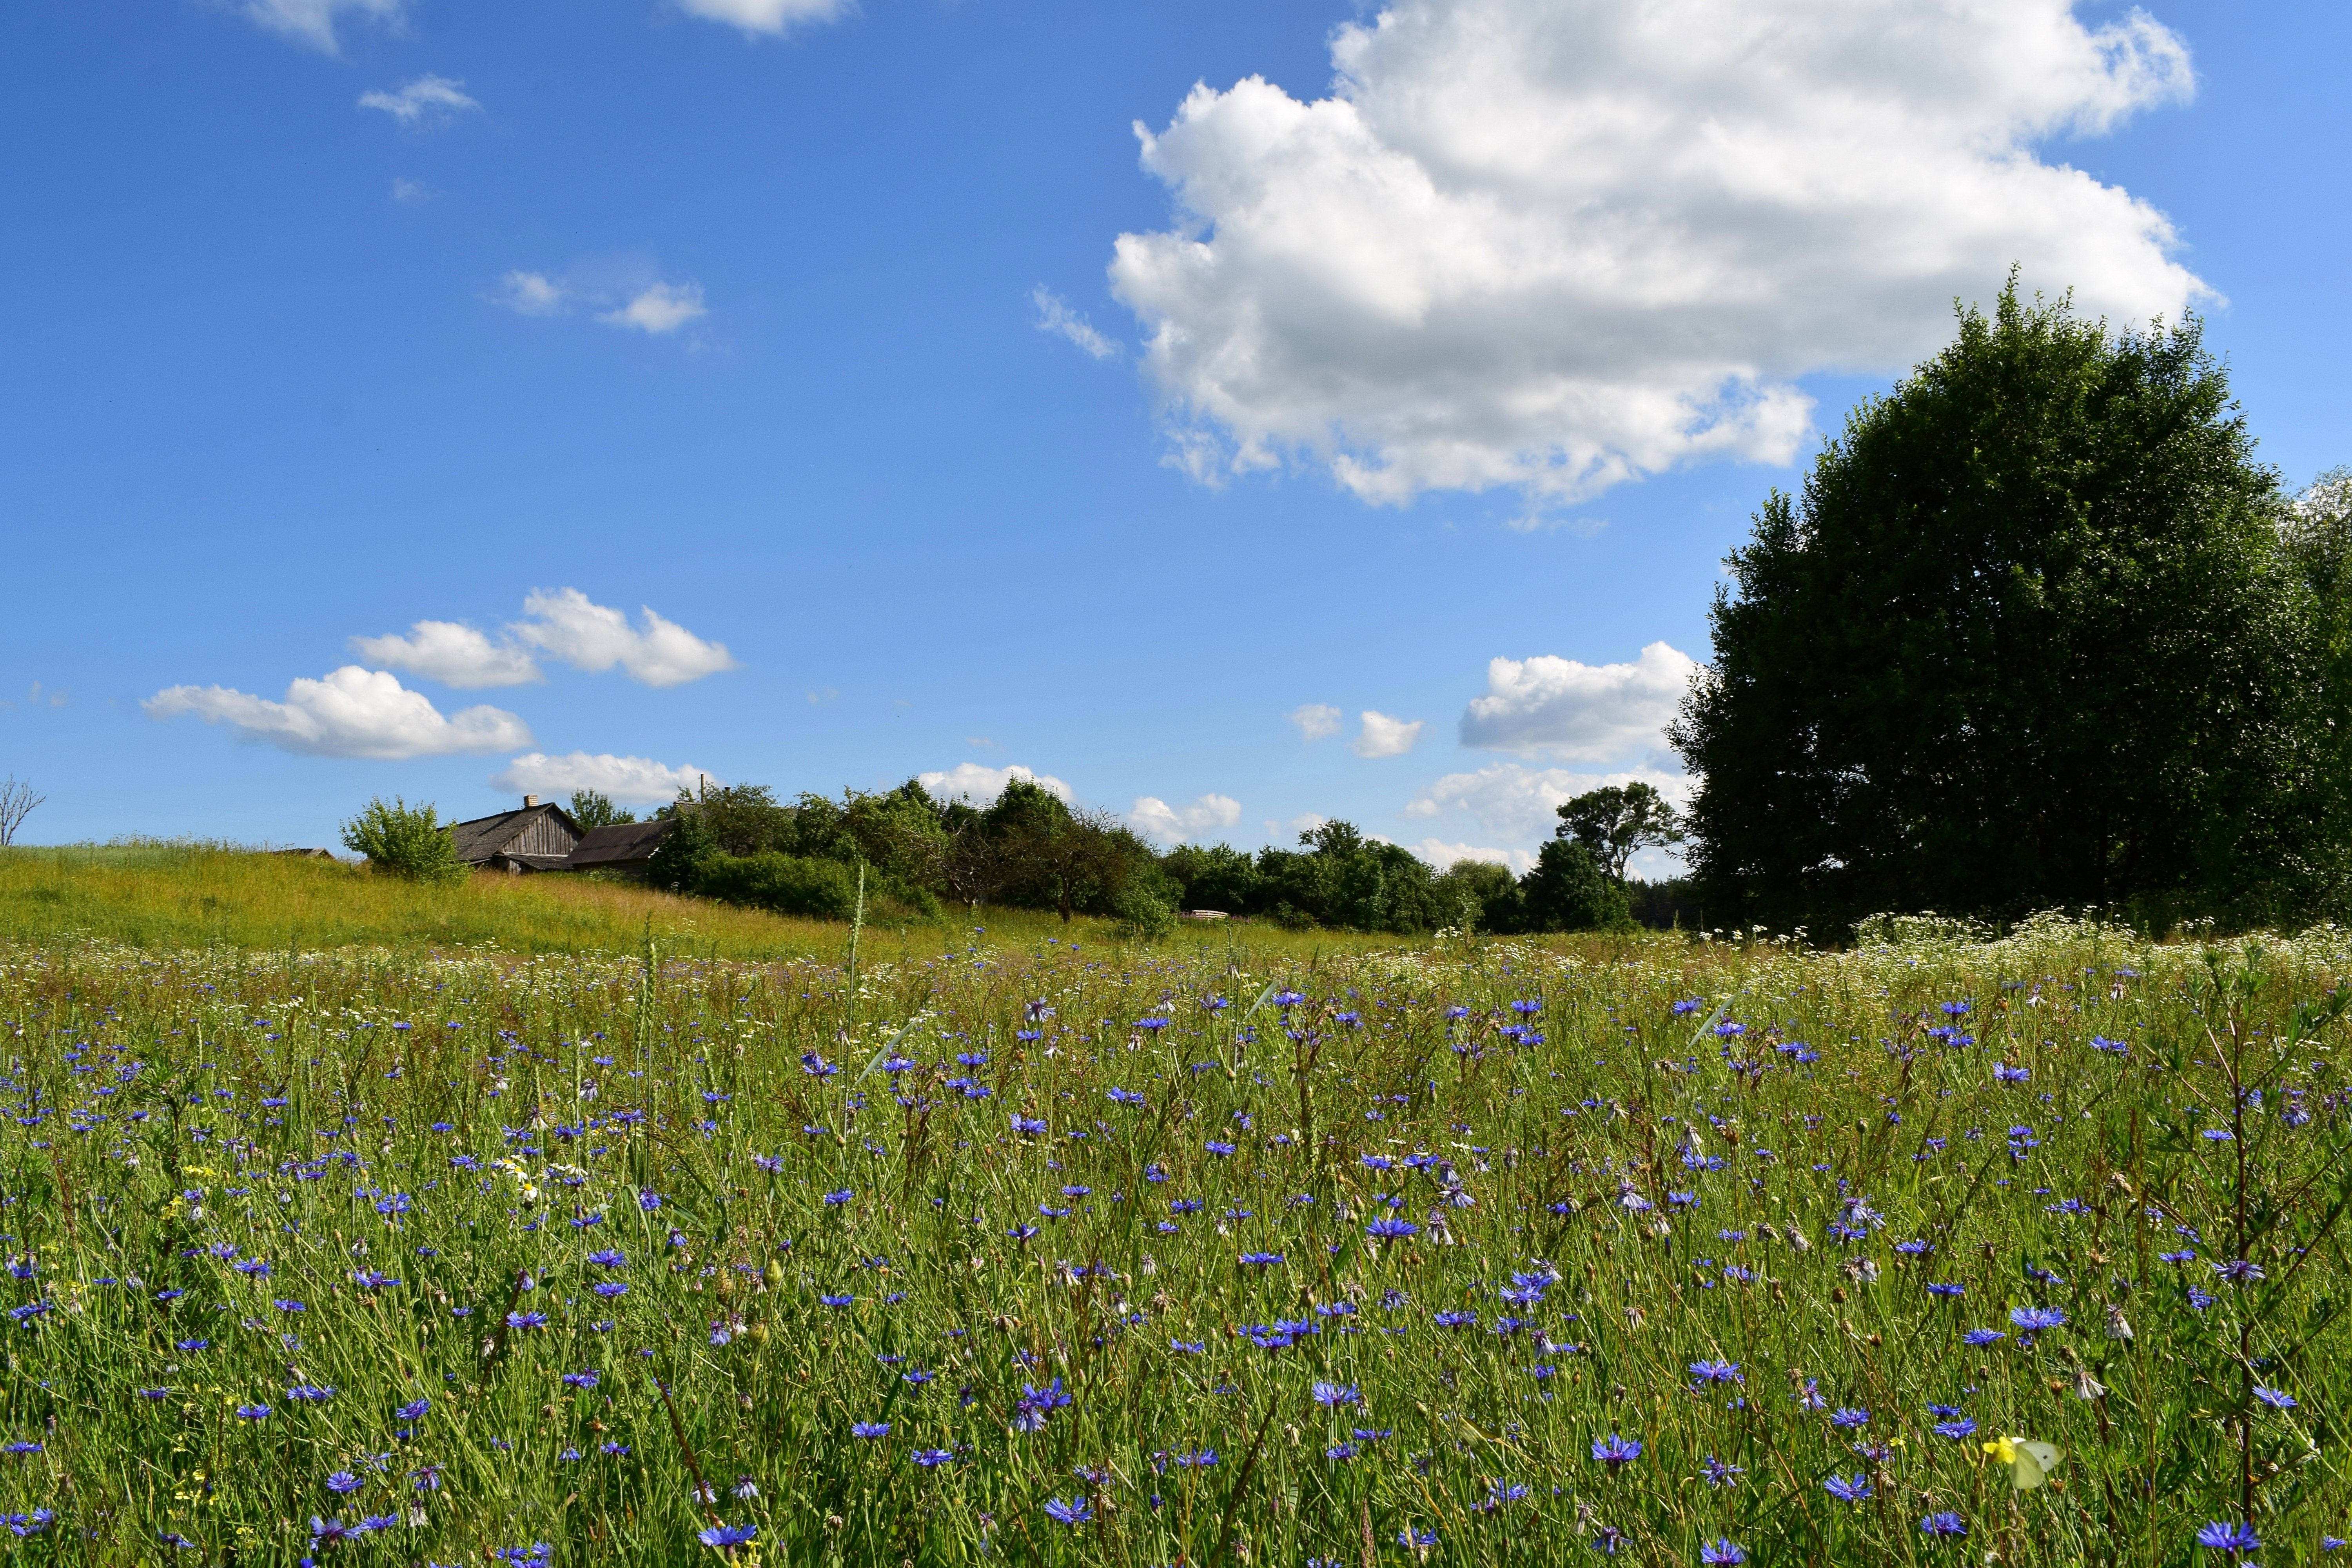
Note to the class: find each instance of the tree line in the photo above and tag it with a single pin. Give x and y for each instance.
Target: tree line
(918, 854)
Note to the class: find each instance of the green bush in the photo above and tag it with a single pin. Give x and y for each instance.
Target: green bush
(788, 884)
(1567, 891)
(405, 840)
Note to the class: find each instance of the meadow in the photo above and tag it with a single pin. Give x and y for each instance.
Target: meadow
(1236, 1249)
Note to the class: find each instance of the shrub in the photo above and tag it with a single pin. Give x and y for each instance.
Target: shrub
(1567, 891)
(405, 840)
(788, 884)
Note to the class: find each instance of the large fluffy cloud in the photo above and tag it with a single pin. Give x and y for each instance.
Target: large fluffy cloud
(629, 780)
(971, 782)
(1554, 244)
(352, 713)
(563, 623)
(1155, 818)
(1513, 801)
(1577, 712)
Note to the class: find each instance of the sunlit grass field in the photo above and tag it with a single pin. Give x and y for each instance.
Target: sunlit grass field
(167, 895)
(1012, 1250)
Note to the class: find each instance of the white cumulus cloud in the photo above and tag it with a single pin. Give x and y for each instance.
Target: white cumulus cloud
(352, 713)
(1579, 712)
(1442, 855)
(1513, 801)
(427, 101)
(658, 309)
(564, 625)
(1556, 244)
(979, 786)
(453, 654)
(1056, 315)
(1316, 721)
(631, 781)
(1382, 736)
(312, 22)
(1155, 818)
(771, 16)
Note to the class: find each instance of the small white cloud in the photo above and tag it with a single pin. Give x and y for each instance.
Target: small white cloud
(352, 713)
(1442, 855)
(1579, 712)
(1316, 721)
(1517, 802)
(428, 100)
(453, 654)
(979, 786)
(658, 309)
(1056, 316)
(1289, 832)
(566, 624)
(771, 16)
(407, 190)
(1155, 818)
(312, 22)
(1385, 737)
(630, 780)
(533, 294)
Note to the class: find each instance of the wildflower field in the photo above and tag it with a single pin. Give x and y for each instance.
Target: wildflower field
(1936, 1251)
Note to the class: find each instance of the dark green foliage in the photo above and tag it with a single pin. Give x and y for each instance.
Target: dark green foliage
(2028, 639)
(1615, 821)
(1567, 891)
(1215, 876)
(592, 809)
(1664, 906)
(405, 840)
(1478, 895)
(788, 884)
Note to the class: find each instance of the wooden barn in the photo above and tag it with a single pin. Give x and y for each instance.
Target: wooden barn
(536, 838)
(624, 846)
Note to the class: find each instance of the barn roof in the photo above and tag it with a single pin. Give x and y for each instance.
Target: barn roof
(482, 836)
(620, 844)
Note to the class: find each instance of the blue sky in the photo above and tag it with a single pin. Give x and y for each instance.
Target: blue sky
(731, 311)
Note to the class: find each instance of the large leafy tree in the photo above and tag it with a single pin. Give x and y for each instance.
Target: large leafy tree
(2031, 635)
(1615, 821)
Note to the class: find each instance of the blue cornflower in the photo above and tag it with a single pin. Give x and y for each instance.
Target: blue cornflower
(1715, 1371)
(1069, 1513)
(342, 1481)
(834, 1200)
(609, 1289)
(253, 1411)
(1333, 1395)
(609, 1258)
(308, 1394)
(1947, 1290)
(2275, 1398)
(1848, 1490)
(526, 1319)
(1218, 1148)
(1389, 1227)
(1719, 1474)
(1846, 1420)
(727, 1537)
(1959, 1428)
(870, 1428)
(2237, 1540)
(1614, 1450)
(330, 1531)
(1721, 1550)
(1261, 1259)
(587, 1379)
(1945, 1523)
(931, 1458)
(1982, 1337)
(414, 1409)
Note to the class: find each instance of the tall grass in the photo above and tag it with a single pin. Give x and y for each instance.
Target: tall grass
(1472, 1253)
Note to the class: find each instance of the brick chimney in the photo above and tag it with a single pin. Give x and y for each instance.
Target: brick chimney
(529, 801)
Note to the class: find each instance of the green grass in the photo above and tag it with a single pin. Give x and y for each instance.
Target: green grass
(402, 1136)
(169, 896)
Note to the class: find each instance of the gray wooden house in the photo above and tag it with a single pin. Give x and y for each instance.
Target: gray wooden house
(624, 846)
(536, 838)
